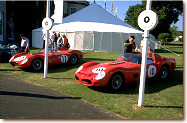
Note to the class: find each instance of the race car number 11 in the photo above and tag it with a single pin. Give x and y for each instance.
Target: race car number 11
(64, 58)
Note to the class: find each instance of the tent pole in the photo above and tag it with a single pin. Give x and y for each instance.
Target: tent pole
(121, 41)
(105, 5)
(111, 42)
(93, 41)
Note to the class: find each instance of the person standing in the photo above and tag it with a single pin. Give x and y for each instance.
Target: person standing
(24, 43)
(54, 40)
(66, 43)
(141, 44)
(59, 40)
(44, 38)
(129, 45)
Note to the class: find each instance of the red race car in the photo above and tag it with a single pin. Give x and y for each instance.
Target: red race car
(124, 70)
(35, 61)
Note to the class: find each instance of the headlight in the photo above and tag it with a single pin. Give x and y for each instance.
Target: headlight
(11, 58)
(100, 75)
(79, 69)
(24, 61)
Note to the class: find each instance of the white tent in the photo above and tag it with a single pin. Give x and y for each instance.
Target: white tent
(93, 28)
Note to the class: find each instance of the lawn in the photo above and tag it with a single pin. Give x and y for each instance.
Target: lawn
(162, 100)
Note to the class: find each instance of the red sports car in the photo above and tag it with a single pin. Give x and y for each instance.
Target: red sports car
(124, 70)
(35, 61)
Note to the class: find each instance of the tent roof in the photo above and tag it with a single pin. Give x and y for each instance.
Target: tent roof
(93, 18)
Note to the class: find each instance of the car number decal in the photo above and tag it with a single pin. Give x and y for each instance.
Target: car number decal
(151, 71)
(20, 58)
(64, 58)
(98, 70)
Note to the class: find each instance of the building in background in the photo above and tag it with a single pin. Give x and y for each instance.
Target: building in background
(2, 21)
(23, 16)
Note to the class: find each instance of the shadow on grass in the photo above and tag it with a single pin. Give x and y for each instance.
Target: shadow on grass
(95, 59)
(34, 95)
(165, 51)
(67, 67)
(56, 68)
(10, 70)
(59, 78)
(150, 106)
(151, 86)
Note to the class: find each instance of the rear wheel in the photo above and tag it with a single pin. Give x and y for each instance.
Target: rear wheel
(164, 72)
(37, 65)
(116, 82)
(73, 59)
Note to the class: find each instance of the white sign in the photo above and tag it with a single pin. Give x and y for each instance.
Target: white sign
(147, 20)
(47, 23)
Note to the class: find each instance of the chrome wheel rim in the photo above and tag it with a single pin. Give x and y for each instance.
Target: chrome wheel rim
(116, 82)
(37, 64)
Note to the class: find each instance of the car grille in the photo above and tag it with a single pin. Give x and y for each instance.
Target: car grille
(14, 64)
(86, 81)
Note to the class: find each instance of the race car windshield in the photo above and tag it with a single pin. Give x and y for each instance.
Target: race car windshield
(134, 58)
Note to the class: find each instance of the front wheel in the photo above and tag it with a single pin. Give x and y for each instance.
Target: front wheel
(73, 59)
(37, 65)
(116, 82)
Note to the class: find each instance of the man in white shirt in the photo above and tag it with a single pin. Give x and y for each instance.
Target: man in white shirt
(24, 43)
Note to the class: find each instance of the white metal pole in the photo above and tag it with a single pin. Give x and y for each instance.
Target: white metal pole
(144, 62)
(143, 68)
(46, 42)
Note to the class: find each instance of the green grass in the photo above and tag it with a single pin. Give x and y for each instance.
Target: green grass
(162, 100)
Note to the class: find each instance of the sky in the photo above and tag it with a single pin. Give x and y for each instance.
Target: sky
(122, 7)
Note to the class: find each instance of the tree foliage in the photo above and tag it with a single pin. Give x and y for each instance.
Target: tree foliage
(167, 11)
(174, 31)
(165, 37)
(25, 16)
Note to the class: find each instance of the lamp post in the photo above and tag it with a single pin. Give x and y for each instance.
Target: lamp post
(47, 24)
(147, 20)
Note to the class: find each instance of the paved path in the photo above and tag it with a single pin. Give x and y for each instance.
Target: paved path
(23, 100)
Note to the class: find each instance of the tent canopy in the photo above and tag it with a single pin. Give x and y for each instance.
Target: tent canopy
(93, 28)
(93, 18)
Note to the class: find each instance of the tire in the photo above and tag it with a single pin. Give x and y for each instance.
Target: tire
(164, 72)
(73, 59)
(37, 65)
(116, 82)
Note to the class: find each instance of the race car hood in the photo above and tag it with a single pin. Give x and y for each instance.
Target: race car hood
(96, 68)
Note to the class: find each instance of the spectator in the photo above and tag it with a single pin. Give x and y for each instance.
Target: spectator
(141, 45)
(24, 43)
(66, 43)
(54, 40)
(59, 40)
(44, 38)
(129, 45)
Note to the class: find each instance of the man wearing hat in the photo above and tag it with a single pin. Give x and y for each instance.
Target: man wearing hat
(24, 43)
(129, 45)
